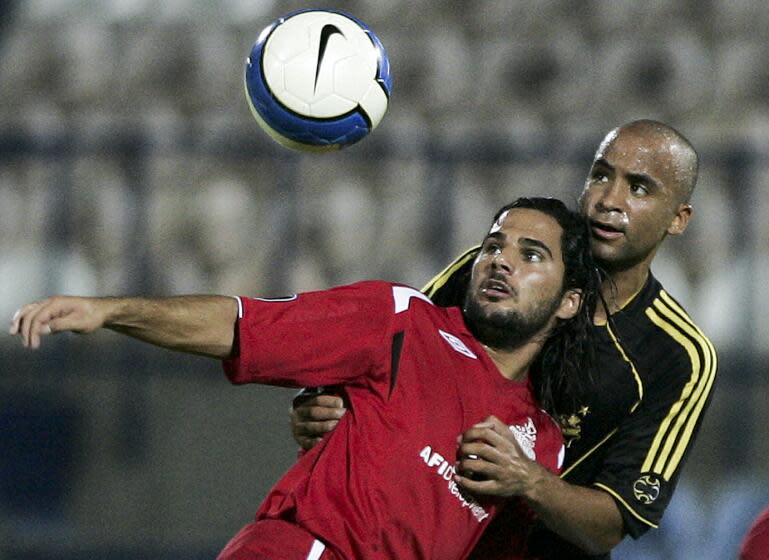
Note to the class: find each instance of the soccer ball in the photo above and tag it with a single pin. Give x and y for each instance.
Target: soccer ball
(317, 80)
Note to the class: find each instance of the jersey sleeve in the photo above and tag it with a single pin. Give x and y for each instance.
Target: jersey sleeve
(448, 287)
(644, 456)
(329, 337)
(755, 543)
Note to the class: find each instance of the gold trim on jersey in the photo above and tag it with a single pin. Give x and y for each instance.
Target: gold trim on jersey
(588, 453)
(639, 384)
(675, 431)
(437, 282)
(603, 322)
(624, 503)
(637, 377)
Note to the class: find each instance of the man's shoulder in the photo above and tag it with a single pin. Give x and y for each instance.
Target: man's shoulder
(387, 290)
(672, 322)
(403, 300)
(659, 333)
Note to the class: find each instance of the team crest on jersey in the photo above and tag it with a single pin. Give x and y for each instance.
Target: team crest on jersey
(646, 489)
(526, 436)
(457, 344)
(571, 424)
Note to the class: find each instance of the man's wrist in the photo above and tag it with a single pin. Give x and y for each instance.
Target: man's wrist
(113, 311)
(539, 484)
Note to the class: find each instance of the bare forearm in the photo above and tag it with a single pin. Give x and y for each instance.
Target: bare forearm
(195, 324)
(586, 517)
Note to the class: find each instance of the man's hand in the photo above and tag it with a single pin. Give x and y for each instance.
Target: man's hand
(57, 314)
(492, 463)
(314, 416)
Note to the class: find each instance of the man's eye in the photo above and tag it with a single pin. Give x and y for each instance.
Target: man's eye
(532, 256)
(639, 189)
(599, 177)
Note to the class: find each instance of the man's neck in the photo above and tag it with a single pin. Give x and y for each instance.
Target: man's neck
(514, 364)
(620, 287)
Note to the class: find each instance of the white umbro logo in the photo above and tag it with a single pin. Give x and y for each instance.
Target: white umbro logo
(457, 344)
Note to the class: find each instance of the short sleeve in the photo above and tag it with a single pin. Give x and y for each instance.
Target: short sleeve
(327, 337)
(643, 459)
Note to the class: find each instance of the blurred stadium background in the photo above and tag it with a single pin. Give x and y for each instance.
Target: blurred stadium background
(129, 163)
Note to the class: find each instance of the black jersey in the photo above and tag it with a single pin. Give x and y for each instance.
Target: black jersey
(654, 377)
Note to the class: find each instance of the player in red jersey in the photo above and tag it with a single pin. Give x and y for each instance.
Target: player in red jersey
(755, 544)
(416, 377)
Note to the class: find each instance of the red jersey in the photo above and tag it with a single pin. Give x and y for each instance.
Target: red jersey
(380, 485)
(755, 544)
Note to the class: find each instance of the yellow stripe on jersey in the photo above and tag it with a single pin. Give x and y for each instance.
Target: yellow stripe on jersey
(711, 362)
(443, 276)
(665, 453)
(624, 503)
(686, 423)
(590, 452)
(637, 377)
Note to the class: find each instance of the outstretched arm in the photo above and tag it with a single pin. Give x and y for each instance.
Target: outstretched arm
(492, 463)
(195, 324)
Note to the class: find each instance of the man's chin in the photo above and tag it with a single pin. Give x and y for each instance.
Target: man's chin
(488, 306)
(607, 254)
(492, 326)
(612, 259)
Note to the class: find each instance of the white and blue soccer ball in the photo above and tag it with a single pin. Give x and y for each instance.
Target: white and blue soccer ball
(318, 80)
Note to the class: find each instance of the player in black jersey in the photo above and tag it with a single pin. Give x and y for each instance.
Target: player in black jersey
(628, 439)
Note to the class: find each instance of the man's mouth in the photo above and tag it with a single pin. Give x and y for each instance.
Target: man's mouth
(605, 230)
(496, 289)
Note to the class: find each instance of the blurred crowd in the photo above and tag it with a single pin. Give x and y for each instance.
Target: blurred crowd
(129, 163)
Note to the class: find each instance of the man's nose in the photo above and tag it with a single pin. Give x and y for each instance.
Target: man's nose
(499, 262)
(611, 197)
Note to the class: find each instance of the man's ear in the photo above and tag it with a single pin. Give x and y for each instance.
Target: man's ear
(570, 302)
(681, 219)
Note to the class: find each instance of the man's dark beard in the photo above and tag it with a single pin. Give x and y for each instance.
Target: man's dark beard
(504, 330)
